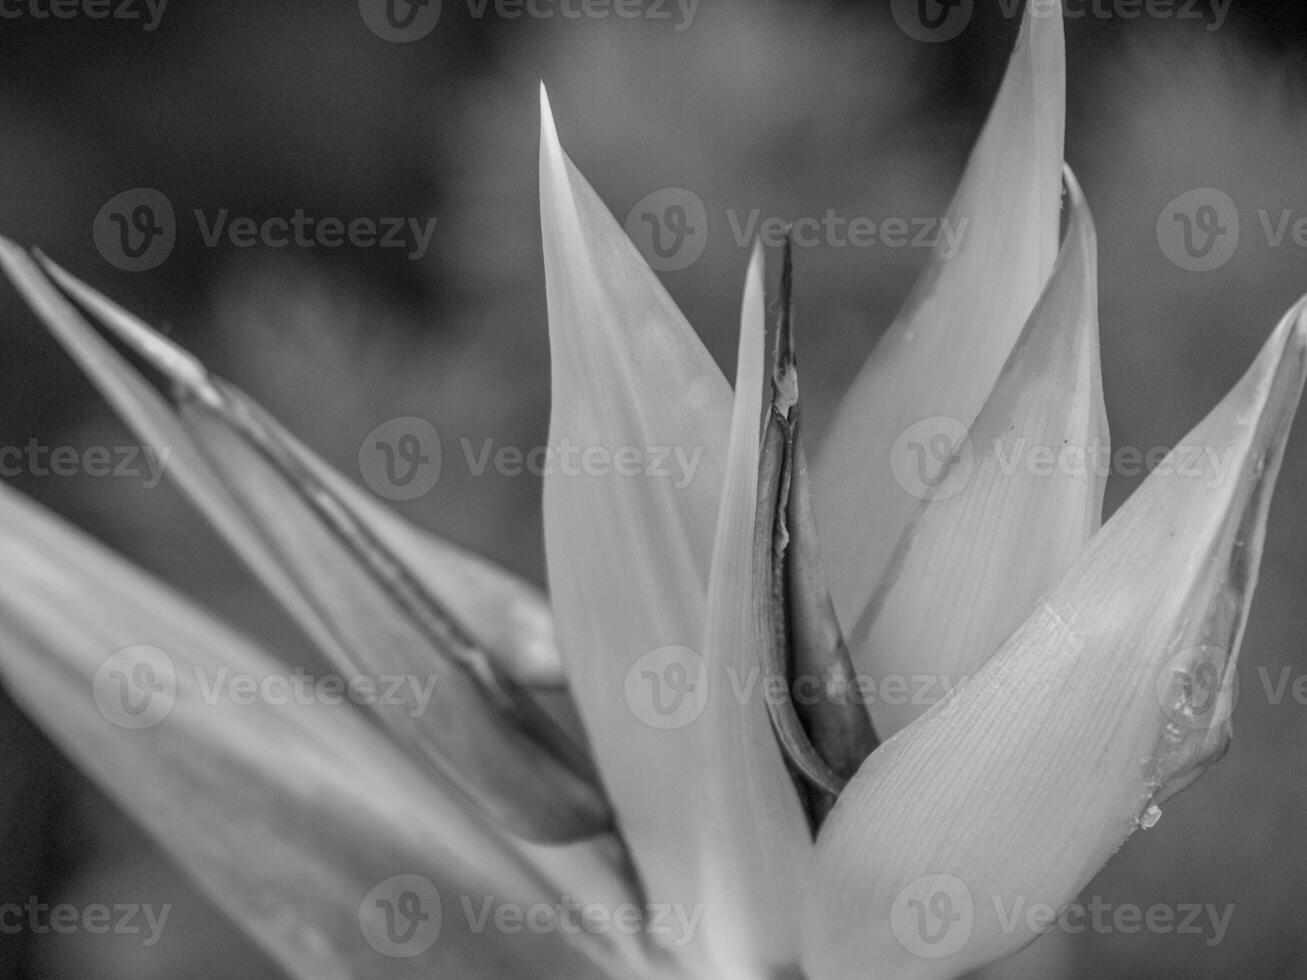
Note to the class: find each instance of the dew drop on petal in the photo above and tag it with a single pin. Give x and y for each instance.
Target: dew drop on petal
(1148, 819)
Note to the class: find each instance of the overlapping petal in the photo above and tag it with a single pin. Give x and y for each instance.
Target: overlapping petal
(1114, 693)
(367, 609)
(1005, 511)
(944, 351)
(292, 811)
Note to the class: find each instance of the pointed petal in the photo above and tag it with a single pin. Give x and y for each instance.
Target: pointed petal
(289, 809)
(755, 842)
(153, 419)
(638, 428)
(1002, 523)
(360, 603)
(944, 351)
(1113, 694)
(510, 617)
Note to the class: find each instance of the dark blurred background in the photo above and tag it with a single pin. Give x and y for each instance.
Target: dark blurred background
(791, 108)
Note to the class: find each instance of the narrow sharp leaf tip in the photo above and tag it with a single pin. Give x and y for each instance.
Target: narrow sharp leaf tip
(549, 141)
(169, 359)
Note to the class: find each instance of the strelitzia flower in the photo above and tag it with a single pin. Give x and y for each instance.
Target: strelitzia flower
(668, 768)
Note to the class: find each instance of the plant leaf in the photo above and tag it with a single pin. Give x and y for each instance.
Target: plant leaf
(360, 602)
(941, 356)
(1012, 507)
(287, 809)
(510, 617)
(1115, 693)
(629, 550)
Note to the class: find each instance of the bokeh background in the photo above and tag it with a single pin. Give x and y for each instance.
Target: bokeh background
(791, 108)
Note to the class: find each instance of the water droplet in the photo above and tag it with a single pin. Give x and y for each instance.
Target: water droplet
(1150, 816)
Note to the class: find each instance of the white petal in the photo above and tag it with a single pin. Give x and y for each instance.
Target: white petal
(293, 813)
(1113, 694)
(510, 617)
(639, 423)
(944, 351)
(1015, 503)
(349, 599)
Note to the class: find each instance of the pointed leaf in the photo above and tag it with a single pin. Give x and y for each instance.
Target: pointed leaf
(944, 351)
(358, 601)
(291, 811)
(1113, 694)
(510, 617)
(1013, 506)
(639, 423)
